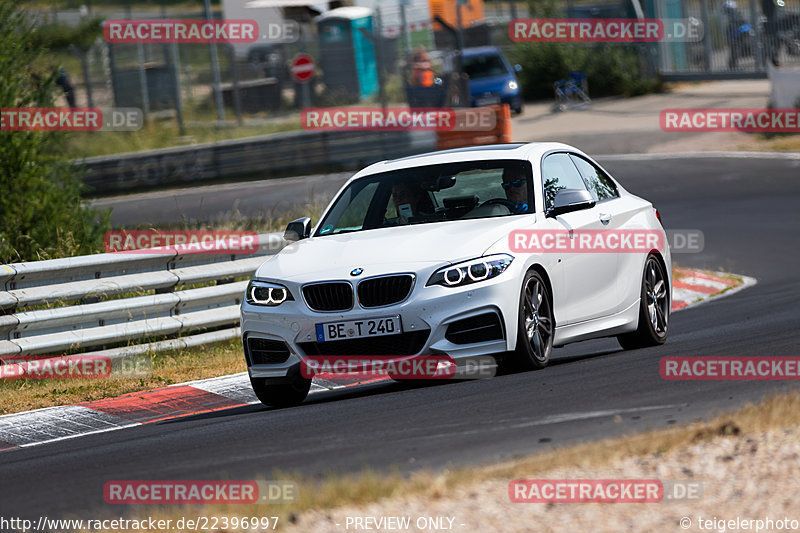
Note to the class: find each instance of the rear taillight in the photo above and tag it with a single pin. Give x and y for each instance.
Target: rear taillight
(658, 216)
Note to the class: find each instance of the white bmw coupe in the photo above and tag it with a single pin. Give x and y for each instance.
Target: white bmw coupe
(502, 250)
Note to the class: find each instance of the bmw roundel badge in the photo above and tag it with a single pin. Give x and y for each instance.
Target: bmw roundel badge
(356, 271)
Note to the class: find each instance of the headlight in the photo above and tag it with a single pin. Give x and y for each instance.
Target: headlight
(269, 294)
(472, 271)
(512, 85)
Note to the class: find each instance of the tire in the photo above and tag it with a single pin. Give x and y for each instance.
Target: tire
(535, 325)
(281, 394)
(654, 308)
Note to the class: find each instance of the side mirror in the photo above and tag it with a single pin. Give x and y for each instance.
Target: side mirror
(518, 68)
(568, 200)
(298, 229)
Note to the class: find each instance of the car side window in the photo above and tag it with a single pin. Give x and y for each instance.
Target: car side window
(558, 172)
(600, 185)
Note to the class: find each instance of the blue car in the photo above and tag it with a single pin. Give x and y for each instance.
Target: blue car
(492, 79)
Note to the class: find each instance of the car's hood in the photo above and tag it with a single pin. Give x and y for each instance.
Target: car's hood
(485, 85)
(387, 250)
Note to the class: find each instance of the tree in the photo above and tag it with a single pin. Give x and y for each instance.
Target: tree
(544, 8)
(42, 214)
(77, 39)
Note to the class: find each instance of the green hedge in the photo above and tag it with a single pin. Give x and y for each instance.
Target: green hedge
(41, 209)
(57, 36)
(611, 70)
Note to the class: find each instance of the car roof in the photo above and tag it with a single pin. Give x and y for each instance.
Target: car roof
(346, 12)
(480, 50)
(521, 151)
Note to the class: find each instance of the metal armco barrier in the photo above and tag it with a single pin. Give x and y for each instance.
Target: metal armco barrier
(251, 157)
(54, 306)
(274, 155)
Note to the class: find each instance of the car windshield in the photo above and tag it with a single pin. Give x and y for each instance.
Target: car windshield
(434, 193)
(484, 66)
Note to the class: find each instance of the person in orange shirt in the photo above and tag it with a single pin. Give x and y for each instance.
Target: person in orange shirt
(421, 71)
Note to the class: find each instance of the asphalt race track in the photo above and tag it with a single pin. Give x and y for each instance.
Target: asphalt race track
(748, 211)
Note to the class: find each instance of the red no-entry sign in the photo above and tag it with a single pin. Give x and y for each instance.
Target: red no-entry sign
(302, 67)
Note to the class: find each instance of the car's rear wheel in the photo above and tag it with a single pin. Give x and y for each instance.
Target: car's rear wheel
(281, 394)
(536, 325)
(654, 309)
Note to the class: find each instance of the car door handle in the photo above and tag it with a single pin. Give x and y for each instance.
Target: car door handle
(605, 218)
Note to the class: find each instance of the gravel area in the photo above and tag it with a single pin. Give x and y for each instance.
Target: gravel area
(751, 477)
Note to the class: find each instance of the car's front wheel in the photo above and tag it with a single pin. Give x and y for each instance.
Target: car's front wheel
(654, 309)
(535, 324)
(281, 394)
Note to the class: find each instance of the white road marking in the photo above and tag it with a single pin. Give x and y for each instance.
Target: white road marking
(57, 423)
(686, 295)
(705, 283)
(571, 417)
(234, 387)
(747, 281)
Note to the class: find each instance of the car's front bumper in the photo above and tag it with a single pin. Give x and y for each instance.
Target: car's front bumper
(428, 309)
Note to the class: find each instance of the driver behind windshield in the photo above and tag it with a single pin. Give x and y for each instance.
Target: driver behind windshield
(516, 188)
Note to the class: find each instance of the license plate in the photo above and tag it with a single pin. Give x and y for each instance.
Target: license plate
(488, 100)
(357, 329)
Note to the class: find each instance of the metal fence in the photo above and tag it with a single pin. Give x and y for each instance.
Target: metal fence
(124, 303)
(255, 85)
(178, 81)
(740, 38)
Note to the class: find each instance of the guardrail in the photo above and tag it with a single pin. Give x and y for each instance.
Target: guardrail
(275, 155)
(97, 302)
(262, 156)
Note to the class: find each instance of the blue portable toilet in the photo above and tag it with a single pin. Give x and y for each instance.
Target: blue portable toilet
(347, 57)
